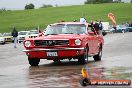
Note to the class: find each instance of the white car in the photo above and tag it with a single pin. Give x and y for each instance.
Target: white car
(33, 34)
(22, 35)
(2, 39)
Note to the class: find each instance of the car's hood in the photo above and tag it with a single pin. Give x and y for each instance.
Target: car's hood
(8, 36)
(60, 37)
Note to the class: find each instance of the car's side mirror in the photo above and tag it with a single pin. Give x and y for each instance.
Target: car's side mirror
(91, 33)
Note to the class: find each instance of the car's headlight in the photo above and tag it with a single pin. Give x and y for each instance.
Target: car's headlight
(27, 43)
(78, 42)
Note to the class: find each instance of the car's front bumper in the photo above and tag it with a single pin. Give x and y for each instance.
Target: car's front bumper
(62, 53)
(8, 39)
(57, 49)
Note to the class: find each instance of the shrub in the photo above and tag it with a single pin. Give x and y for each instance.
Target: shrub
(29, 6)
(45, 6)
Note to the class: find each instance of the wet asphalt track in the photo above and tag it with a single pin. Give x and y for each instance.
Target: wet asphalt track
(116, 63)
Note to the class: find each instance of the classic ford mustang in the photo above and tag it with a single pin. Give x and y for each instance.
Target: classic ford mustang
(65, 40)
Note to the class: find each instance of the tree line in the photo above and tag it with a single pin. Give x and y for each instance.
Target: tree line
(32, 6)
(103, 1)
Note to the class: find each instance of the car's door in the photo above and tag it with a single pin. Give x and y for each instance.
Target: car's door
(91, 42)
(97, 43)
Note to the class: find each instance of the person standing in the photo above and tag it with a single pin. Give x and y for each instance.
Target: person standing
(14, 34)
(100, 27)
(96, 27)
(92, 25)
(83, 20)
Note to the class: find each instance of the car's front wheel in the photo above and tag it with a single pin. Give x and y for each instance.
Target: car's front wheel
(19, 41)
(98, 56)
(82, 58)
(3, 43)
(33, 61)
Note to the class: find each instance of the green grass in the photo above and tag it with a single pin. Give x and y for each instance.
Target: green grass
(28, 19)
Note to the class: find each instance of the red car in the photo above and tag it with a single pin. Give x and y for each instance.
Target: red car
(66, 40)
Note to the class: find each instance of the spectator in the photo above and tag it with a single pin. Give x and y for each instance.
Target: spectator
(127, 24)
(130, 25)
(96, 27)
(83, 20)
(14, 34)
(100, 27)
(91, 25)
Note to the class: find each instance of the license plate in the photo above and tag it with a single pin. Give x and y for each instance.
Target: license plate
(52, 54)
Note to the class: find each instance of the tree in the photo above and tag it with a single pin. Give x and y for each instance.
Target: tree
(45, 6)
(3, 10)
(29, 6)
(97, 1)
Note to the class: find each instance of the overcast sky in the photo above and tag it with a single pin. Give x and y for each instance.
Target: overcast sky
(20, 4)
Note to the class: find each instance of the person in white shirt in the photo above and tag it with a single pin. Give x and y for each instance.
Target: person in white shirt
(83, 20)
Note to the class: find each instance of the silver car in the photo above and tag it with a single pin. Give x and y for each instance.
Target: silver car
(2, 39)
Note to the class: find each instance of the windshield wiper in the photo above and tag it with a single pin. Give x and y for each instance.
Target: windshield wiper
(51, 34)
(68, 33)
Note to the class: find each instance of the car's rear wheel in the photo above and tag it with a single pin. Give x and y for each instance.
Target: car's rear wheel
(99, 55)
(82, 58)
(33, 61)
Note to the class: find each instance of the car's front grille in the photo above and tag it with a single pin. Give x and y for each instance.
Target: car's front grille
(32, 36)
(50, 42)
(7, 38)
(21, 38)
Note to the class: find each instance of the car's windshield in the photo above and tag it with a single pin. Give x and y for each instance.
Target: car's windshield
(65, 29)
(22, 33)
(7, 34)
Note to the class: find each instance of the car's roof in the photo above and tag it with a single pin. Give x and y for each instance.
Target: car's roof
(33, 30)
(7, 33)
(23, 31)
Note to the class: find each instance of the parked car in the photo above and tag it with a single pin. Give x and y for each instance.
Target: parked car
(129, 29)
(8, 37)
(22, 35)
(32, 34)
(67, 40)
(120, 29)
(2, 39)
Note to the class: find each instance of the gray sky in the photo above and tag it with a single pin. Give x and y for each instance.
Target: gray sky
(20, 4)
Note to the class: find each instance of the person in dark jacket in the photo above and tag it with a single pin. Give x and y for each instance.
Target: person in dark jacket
(14, 34)
(96, 27)
(100, 27)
